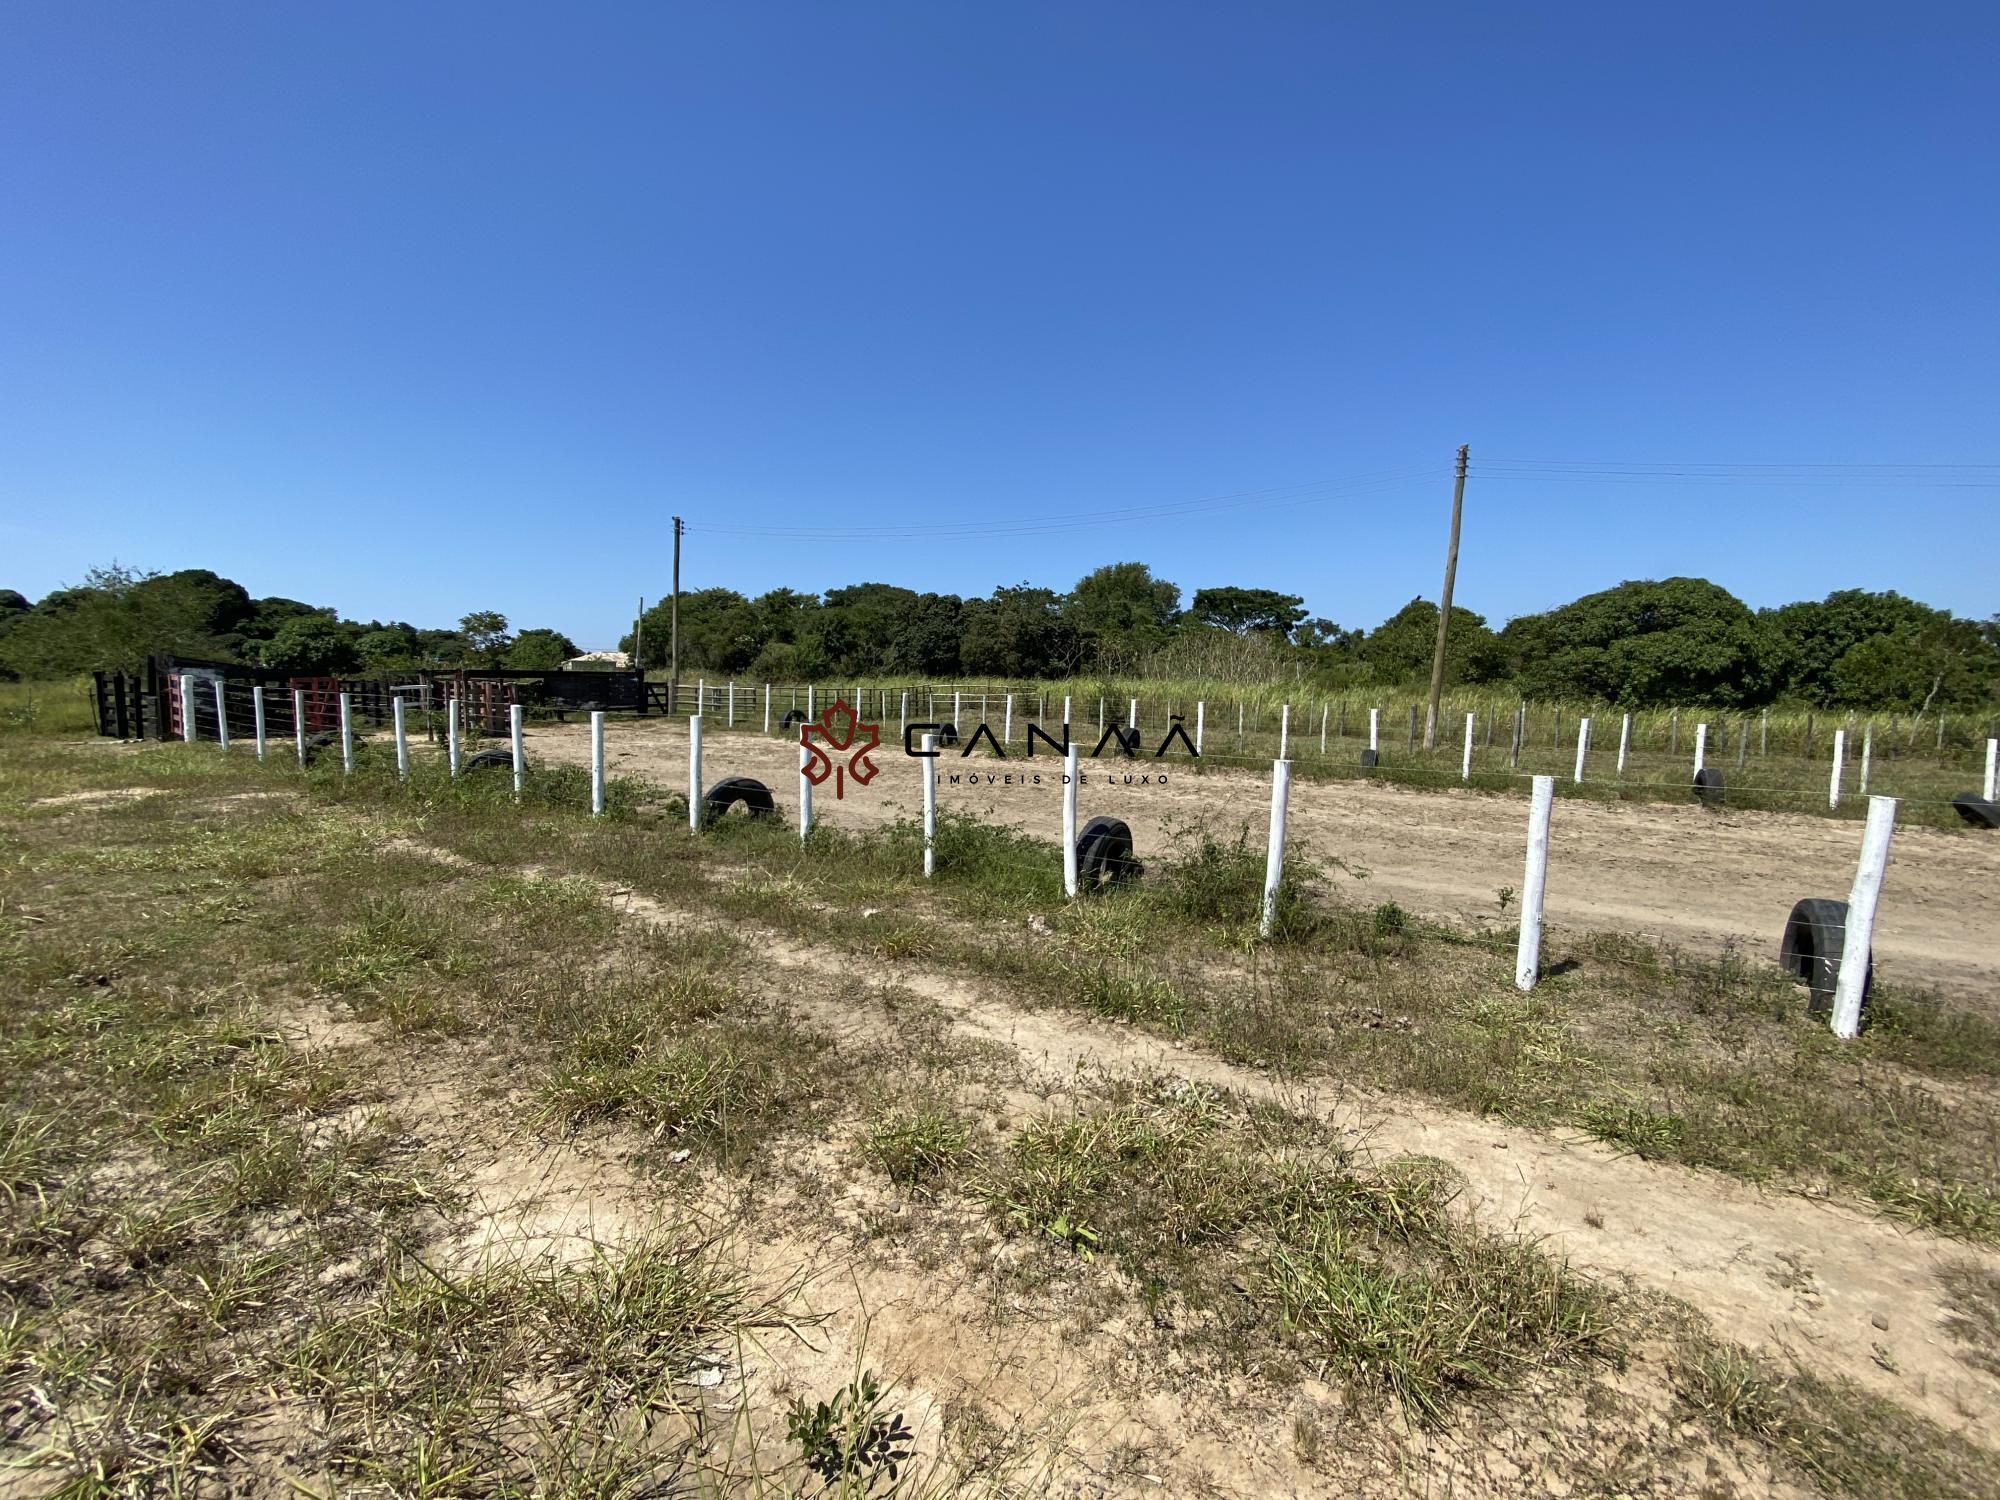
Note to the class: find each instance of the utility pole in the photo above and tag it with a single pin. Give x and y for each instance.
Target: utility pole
(674, 618)
(1444, 604)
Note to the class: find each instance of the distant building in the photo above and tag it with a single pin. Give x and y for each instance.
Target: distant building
(600, 661)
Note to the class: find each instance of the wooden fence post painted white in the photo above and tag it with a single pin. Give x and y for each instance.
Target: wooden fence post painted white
(906, 712)
(811, 715)
(299, 721)
(257, 712)
(1851, 985)
(1007, 722)
(1992, 768)
(1700, 747)
(1132, 719)
(187, 709)
(805, 791)
(221, 715)
(700, 696)
(1582, 746)
(1534, 884)
(346, 735)
(767, 708)
(1867, 754)
(1200, 724)
(398, 713)
(1274, 846)
(930, 807)
(958, 713)
(1624, 742)
(517, 741)
(694, 774)
(1284, 730)
(451, 733)
(1375, 730)
(597, 762)
(1839, 756)
(731, 717)
(1465, 766)
(1069, 822)
(1239, 723)
(1322, 728)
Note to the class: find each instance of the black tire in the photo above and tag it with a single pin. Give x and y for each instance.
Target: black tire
(793, 718)
(320, 741)
(947, 734)
(1815, 937)
(1977, 811)
(1370, 759)
(1104, 855)
(488, 758)
(750, 793)
(1708, 786)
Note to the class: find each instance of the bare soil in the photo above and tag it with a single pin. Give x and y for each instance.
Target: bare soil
(1685, 875)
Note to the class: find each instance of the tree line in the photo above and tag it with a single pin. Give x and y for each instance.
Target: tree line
(118, 616)
(1641, 644)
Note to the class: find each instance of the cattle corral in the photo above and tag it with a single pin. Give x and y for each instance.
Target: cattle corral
(1686, 874)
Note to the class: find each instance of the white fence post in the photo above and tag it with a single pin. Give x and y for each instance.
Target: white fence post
(930, 807)
(811, 714)
(221, 715)
(1284, 730)
(516, 714)
(1582, 746)
(1851, 986)
(1274, 845)
(1065, 721)
(805, 790)
(299, 721)
(731, 715)
(1200, 724)
(1624, 742)
(346, 736)
(1700, 747)
(700, 697)
(1839, 756)
(257, 711)
(1867, 754)
(767, 708)
(958, 713)
(1132, 718)
(187, 709)
(597, 762)
(1375, 730)
(1534, 883)
(1324, 710)
(1992, 768)
(1465, 765)
(451, 733)
(694, 774)
(1007, 722)
(1069, 822)
(402, 740)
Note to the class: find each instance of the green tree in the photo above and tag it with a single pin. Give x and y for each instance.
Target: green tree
(1399, 650)
(1815, 636)
(1245, 610)
(540, 651)
(486, 638)
(1647, 643)
(311, 645)
(1019, 632)
(1121, 609)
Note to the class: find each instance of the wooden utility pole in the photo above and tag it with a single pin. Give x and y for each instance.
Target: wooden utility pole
(1444, 604)
(674, 625)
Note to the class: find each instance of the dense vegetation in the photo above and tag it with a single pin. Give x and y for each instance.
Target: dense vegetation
(1668, 641)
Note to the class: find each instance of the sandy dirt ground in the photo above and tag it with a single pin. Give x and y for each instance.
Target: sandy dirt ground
(1682, 874)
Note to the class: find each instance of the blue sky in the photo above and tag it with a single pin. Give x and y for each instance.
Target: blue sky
(416, 309)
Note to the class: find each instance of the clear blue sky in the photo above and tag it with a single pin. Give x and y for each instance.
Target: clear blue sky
(418, 308)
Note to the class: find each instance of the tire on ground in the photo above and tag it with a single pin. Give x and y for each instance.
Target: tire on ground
(1815, 937)
(1977, 811)
(486, 759)
(1104, 855)
(320, 741)
(947, 734)
(1708, 785)
(745, 791)
(1370, 759)
(792, 719)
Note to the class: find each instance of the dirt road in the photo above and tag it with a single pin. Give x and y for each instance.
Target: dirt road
(1678, 873)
